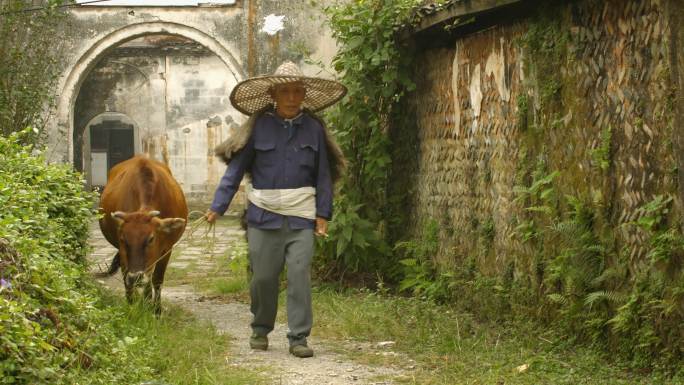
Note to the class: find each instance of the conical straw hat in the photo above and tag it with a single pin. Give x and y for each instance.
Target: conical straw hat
(252, 95)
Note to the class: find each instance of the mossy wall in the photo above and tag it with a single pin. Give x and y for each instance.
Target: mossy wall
(677, 64)
(587, 89)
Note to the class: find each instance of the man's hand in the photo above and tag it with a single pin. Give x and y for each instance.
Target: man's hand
(321, 227)
(211, 216)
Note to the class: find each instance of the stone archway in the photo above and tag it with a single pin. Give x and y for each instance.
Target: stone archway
(71, 84)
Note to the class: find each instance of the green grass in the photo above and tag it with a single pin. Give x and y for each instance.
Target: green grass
(180, 349)
(229, 285)
(452, 348)
(177, 348)
(447, 346)
(175, 275)
(229, 277)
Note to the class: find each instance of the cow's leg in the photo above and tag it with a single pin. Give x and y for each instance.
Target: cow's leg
(157, 280)
(113, 267)
(147, 293)
(130, 288)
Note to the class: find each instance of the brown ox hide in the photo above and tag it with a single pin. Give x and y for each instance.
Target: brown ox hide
(144, 214)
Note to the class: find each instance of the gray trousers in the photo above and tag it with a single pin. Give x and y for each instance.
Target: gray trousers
(269, 251)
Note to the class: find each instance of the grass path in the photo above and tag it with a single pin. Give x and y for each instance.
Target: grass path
(360, 337)
(202, 281)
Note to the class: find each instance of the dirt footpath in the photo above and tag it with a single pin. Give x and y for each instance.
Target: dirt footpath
(195, 258)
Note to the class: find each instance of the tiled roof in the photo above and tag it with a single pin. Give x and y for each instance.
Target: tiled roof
(432, 13)
(430, 7)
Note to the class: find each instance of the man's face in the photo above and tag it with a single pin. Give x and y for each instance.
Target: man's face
(288, 98)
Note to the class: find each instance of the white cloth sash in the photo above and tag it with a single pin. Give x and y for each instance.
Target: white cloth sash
(297, 202)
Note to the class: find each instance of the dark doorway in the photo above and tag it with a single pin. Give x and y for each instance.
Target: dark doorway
(114, 141)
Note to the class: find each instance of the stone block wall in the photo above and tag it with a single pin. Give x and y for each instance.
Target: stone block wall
(588, 89)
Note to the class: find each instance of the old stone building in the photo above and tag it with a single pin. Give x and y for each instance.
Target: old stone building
(162, 95)
(156, 80)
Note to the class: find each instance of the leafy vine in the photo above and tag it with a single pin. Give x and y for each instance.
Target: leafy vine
(375, 69)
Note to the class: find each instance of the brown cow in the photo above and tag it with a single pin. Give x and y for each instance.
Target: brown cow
(144, 216)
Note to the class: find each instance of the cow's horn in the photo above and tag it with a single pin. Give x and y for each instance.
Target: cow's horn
(154, 213)
(118, 214)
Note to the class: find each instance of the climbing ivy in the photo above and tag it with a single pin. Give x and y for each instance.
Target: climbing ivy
(374, 67)
(546, 43)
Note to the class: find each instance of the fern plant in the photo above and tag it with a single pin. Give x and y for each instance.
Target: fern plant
(581, 284)
(652, 316)
(420, 275)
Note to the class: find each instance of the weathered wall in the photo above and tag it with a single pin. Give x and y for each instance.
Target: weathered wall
(306, 36)
(177, 98)
(502, 107)
(94, 32)
(677, 67)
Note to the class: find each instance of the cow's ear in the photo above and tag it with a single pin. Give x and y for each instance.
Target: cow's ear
(119, 217)
(168, 225)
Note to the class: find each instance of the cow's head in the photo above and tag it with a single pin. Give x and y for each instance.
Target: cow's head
(143, 236)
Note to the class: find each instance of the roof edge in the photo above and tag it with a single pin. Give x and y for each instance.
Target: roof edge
(457, 12)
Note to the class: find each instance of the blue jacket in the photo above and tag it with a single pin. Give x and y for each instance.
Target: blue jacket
(280, 154)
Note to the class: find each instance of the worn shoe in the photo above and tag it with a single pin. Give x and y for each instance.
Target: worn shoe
(301, 351)
(258, 342)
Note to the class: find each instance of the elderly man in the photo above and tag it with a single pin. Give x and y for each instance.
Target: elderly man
(292, 163)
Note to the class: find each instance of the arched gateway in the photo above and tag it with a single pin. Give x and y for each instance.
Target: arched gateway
(190, 111)
(72, 83)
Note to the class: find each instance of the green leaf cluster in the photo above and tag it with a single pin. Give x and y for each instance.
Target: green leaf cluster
(355, 244)
(421, 277)
(374, 67)
(601, 156)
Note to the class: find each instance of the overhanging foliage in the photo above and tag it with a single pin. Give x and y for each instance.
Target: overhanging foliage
(374, 67)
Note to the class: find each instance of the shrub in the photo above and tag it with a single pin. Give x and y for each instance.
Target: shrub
(52, 324)
(375, 71)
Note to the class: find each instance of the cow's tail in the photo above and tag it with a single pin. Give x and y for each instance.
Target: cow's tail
(113, 267)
